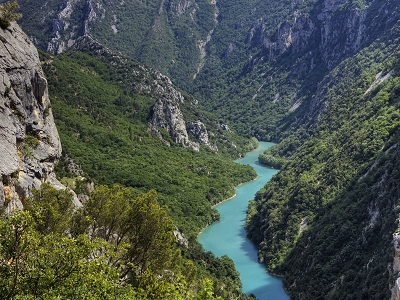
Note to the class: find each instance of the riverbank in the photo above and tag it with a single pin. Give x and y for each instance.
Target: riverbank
(215, 205)
(223, 201)
(228, 236)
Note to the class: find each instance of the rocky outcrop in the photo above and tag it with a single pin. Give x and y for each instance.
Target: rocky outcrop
(29, 141)
(199, 131)
(396, 267)
(64, 30)
(396, 290)
(178, 7)
(295, 35)
(396, 260)
(168, 116)
(335, 30)
(180, 238)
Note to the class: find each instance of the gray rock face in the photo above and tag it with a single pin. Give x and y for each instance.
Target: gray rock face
(199, 131)
(65, 30)
(168, 116)
(179, 7)
(29, 141)
(180, 238)
(396, 267)
(336, 30)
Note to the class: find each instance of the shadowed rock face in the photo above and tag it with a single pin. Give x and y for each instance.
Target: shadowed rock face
(29, 141)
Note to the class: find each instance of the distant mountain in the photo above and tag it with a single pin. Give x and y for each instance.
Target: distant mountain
(169, 35)
(270, 57)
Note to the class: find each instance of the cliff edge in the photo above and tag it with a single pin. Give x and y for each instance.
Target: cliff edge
(29, 141)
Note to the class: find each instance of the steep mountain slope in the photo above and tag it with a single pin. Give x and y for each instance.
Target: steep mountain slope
(125, 123)
(167, 34)
(120, 243)
(29, 141)
(274, 54)
(337, 192)
(322, 77)
(350, 243)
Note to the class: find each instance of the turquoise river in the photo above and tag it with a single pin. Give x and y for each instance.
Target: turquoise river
(228, 237)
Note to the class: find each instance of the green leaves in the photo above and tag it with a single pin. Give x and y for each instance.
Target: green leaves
(8, 14)
(123, 248)
(51, 209)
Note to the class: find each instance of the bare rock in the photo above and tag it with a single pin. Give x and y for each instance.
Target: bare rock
(168, 116)
(29, 141)
(199, 131)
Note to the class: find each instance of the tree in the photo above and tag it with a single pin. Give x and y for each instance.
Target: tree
(51, 209)
(8, 14)
(34, 265)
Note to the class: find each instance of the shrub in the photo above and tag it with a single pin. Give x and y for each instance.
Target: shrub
(8, 14)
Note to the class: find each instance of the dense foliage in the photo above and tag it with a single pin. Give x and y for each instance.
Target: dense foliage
(117, 246)
(327, 199)
(238, 66)
(320, 76)
(350, 244)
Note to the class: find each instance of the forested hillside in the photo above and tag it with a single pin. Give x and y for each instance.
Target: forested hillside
(326, 221)
(122, 123)
(321, 77)
(274, 54)
(104, 106)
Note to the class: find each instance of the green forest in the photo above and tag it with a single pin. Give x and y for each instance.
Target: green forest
(102, 120)
(319, 78)
(337, 184)
(117, 246)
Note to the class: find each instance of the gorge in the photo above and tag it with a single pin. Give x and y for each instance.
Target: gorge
(320, 78)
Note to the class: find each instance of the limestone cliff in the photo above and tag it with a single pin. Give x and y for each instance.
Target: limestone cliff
(64, 31)
(168, 116)
(29, 141)
(335, 30)
(396, 267)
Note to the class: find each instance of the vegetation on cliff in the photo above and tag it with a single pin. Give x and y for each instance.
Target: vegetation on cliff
(8, 14)
(102, 123)
(117, 246)
(328, 196)
(321, 77)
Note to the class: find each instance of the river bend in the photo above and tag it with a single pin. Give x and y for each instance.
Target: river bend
(228, 236)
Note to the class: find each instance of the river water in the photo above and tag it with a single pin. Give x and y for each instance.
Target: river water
(228, 236)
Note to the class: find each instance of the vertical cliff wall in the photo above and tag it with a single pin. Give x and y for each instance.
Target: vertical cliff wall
(29, 141)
